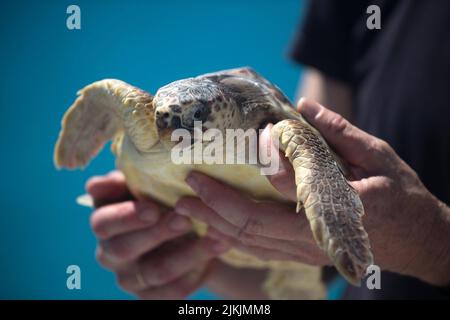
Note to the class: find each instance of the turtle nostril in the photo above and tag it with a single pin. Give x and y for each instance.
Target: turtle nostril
(164, 114)
(161, 124)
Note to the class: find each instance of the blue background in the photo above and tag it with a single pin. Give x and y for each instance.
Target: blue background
(43, 64)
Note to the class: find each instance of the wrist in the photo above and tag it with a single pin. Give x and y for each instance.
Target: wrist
(432, 262)
(441, 275)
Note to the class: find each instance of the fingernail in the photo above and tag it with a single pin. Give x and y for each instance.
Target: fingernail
(179, 223)
(148, 215)
(182, 209)
(191, 180)
(310, 109)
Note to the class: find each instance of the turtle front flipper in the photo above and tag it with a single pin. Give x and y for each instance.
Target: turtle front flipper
(332, 206)
(103, 109)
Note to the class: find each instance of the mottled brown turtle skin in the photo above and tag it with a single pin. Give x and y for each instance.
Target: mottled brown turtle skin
(141, 126)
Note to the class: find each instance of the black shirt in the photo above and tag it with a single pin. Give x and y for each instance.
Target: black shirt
(400, 77)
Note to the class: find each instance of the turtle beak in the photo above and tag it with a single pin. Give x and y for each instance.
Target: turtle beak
(162, 119)
(165, 121)
(163, 124)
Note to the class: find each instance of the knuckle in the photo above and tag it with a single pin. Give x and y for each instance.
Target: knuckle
(98, 224)
(388, 184)
(118, 248)
(253, 226)
(380, 147)
(374, 147)
(338, 124)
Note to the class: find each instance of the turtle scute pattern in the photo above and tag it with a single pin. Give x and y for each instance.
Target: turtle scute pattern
(331, 205)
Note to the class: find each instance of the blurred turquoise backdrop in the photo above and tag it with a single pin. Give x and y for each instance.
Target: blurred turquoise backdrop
(43, 64)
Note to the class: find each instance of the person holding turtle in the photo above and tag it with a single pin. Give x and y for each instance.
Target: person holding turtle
(386, 117)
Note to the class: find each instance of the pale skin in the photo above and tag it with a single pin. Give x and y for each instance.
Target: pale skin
(408, 227)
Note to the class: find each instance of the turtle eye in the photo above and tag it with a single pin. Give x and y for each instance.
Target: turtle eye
(196, 113)
(199, 114)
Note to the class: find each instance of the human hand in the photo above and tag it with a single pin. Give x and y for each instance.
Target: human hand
(408, 227)
(154, 254)
(268, 230)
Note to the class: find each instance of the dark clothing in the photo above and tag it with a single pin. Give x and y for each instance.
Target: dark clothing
(400, 80)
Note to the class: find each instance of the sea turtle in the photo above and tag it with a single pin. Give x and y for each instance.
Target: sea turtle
(141, 126)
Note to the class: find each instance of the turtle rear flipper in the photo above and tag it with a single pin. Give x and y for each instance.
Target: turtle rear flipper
(102, 110)
(332, 206)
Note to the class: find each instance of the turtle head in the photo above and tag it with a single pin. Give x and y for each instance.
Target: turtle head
(186, 103)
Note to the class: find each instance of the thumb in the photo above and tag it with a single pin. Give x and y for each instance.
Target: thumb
(357, 147)
(283, 180)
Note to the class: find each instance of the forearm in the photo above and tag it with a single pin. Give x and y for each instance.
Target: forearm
(424, 251)
(431, 263)
(237, 283)
(334, 94)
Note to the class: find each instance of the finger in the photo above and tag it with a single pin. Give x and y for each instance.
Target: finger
(290, 250)
(371, 190)
(179, 288)
(198, 210)
(124, 248)
(162, 267)
(115, 219)
(195, 208)
(110, 188)
(266, 254)
(167, 266)
(266, 219)
(218, 226)
(252, 231)
(226, 201)
(354, 145)
(275, 255)
(284, 179)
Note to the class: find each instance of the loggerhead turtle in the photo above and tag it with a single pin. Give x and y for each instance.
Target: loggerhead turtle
(141, 125)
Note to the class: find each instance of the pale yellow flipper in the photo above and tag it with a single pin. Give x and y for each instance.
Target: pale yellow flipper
(102, 110)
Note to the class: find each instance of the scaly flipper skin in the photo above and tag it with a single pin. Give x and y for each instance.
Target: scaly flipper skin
(103, 109)
(332, 206)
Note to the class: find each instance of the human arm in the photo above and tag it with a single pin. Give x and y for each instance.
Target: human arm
(155, 255)
(408, 227)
